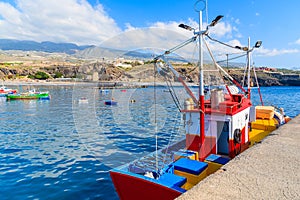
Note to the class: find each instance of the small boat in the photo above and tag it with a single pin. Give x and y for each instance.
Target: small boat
(110, 102)
(104, 91)
(219, 124)
(4, 91)
(83, 100)
(30, 95)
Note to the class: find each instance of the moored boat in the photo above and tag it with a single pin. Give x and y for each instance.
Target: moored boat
(83, 100)
(110, 102)
(104, 91)
(219, 124)
(4, 91)
(30, 95)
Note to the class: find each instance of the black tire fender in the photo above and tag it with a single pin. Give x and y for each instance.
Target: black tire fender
(237, 136)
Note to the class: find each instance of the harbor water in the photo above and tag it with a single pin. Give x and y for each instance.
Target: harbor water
(63, 148)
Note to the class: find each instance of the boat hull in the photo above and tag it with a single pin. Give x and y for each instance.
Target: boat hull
(44, 96)
(110, 103)
(129, 186)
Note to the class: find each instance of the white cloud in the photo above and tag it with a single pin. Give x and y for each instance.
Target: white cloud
(165, 35)
(129, 27)
(275, 52)
(77, 21)
(57, 21)
(221, 29)
(159, 36)
(298, 41)
(143, 38)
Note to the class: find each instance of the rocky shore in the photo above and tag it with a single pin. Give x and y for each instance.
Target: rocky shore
(107, 72)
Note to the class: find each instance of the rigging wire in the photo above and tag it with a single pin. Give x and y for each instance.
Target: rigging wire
(172, 92)
(194, 53)
(260, 96)
(174, 96)
(245, 54)
(244, 75)
(221, 42)
(171, 138)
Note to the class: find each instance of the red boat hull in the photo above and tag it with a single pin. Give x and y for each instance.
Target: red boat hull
(133, 187)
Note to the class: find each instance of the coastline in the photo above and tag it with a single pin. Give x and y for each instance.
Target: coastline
(42, 83)
(103, 84)
(124, 84)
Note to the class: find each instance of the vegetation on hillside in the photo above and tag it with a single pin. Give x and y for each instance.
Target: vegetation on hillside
(107, 72)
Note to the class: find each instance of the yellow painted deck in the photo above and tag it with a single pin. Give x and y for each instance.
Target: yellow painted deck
(260, 129)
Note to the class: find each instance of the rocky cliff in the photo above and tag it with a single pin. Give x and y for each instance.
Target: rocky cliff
(101, 71)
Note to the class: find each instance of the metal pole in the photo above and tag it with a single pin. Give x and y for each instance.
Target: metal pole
(227, 60)
(249, 66)
(201, 81)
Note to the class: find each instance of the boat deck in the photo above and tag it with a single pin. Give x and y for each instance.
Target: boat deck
(260, 129)
(269, 170)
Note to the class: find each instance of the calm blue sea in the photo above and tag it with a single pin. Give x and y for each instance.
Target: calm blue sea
(63, 148)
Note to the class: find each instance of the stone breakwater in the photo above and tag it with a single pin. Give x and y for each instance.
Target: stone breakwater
(268, 170)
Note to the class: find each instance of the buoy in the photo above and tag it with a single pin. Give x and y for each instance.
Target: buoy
(287, 119)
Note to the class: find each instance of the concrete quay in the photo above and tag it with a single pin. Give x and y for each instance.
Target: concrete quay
(268, 170)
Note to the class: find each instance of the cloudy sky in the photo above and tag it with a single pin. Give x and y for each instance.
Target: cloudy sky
(143, 22)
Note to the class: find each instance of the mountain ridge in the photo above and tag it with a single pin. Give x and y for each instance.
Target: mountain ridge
(45, 46)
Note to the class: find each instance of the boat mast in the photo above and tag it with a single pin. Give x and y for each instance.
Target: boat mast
(248, 68)
(201, 81)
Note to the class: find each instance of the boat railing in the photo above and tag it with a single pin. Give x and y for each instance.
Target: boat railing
(223, 107)
(147, 163)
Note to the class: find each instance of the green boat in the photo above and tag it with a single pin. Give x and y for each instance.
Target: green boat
(29, 96)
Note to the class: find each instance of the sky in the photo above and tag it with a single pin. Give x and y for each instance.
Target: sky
(152, 23)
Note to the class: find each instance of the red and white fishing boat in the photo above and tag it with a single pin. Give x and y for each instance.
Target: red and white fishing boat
(218, 126)
(4, 91)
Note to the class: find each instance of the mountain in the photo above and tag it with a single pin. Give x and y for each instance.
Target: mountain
(99, 52)
(27, 45)
(103, 52)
